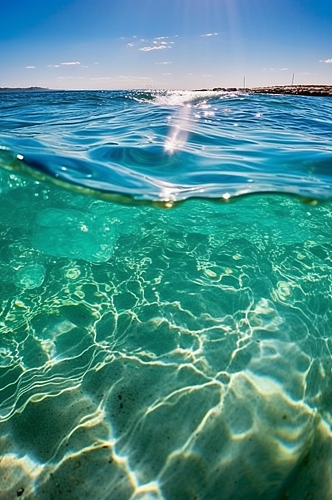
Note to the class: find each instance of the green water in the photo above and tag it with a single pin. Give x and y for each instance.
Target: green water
(164, 354)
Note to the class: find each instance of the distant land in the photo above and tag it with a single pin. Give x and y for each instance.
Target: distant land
(23, 89)
(309, 90)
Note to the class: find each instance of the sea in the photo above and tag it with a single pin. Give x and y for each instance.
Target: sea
(165, 296)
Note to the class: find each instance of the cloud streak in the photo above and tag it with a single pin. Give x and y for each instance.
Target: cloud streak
(210, 34)
(71, 63)
(67, 63)
(326, 61)
(154, 47)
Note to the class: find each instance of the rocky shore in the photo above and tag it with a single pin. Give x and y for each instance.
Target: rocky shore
(310, 90)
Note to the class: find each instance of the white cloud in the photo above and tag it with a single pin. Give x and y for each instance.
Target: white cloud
(155, 47)
(164, 62)
(210, 34)
(166, 74)
(30, 67)
(157, 43)
(326, 61)
(71, 63)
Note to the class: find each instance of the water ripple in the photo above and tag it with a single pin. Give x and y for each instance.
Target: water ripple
(171, 145)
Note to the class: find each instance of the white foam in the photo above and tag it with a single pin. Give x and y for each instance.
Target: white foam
(183, 97)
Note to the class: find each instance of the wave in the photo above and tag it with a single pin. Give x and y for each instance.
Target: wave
(170, 146)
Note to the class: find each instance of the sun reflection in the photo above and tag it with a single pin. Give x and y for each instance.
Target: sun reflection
(169, 194)
(178, 134)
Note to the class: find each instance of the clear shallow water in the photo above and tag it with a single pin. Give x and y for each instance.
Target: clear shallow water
(153, 353)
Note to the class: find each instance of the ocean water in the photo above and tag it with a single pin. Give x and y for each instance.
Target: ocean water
(166, 296)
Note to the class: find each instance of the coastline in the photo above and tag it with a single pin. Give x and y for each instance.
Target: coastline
(24, 89)
(307, 90)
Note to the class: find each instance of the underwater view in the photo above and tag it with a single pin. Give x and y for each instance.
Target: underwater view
(166, 296)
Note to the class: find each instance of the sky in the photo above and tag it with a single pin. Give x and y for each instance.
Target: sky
(165, 44)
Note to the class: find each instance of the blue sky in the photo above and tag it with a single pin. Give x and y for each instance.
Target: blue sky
(175, 44)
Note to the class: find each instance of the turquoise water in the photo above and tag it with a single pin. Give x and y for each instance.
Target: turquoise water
(163, 336)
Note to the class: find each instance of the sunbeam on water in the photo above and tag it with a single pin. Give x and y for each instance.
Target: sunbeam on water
(149, 353)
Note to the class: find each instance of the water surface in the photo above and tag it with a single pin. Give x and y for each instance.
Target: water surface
(152, 349)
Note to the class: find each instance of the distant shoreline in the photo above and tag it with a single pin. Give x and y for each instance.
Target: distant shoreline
(307, 90)
(24, 89)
